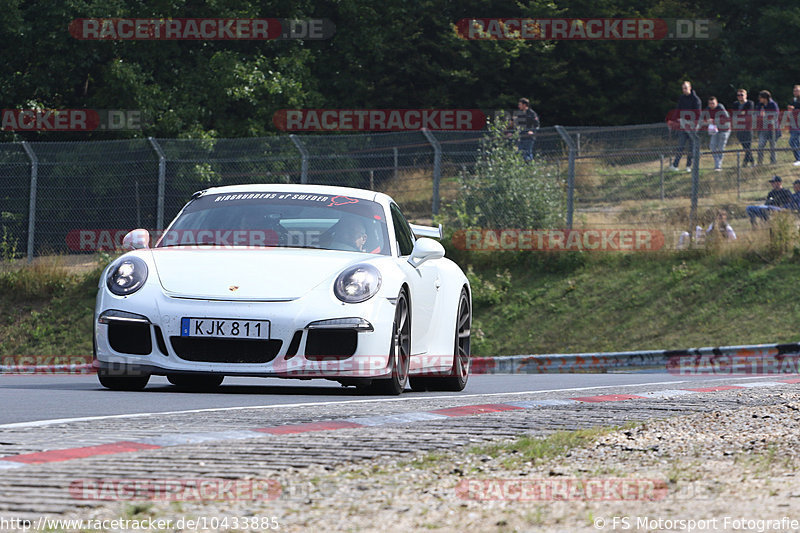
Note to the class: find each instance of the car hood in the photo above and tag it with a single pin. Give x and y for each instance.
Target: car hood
(247, 274)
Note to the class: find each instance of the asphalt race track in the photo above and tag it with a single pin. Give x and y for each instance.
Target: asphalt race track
(31, 398)
(57, 430)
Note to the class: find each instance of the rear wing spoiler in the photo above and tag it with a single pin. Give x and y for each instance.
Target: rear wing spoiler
(427, 231)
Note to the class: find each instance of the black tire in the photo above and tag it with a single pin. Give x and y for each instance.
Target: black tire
(399, 351)
(202, 382)
(120, 381)
(456, 379)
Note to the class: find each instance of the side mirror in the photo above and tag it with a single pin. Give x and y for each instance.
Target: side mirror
(136, 239)
(424, 250)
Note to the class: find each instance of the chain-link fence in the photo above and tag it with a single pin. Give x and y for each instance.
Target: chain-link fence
(629, 177)
(613, 177)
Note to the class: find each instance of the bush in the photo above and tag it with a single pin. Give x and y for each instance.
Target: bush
(504, 191)
(783, 233)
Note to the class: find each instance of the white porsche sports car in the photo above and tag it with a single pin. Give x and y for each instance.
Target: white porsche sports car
(294, 281)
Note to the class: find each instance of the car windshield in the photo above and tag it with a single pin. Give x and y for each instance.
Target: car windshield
(281, 219)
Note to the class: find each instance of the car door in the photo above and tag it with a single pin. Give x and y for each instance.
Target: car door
(423, 281)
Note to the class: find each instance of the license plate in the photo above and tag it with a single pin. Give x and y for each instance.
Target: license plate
(227, 328)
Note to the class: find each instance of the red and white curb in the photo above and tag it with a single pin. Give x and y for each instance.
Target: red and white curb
(168, 440)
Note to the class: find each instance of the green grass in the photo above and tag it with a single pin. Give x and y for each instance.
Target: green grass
(538, 449)
(46, 311)
(534, 303)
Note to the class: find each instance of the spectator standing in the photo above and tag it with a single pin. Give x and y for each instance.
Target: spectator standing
(794, 128)
(778, 198)
(767, 113)
(796, 195)
(687, 100)
(527, 122)
(743, 108)
(719, 129)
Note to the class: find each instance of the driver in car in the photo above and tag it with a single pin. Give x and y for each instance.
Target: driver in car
(350, 235)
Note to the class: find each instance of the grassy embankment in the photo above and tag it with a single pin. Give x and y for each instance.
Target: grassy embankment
(579, 303)
(524, 303)
(46, 309)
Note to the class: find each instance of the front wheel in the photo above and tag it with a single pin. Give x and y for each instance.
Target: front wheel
(399, 352)
(457, 378)
(121, 381)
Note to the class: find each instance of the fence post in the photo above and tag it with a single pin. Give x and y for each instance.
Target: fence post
(437, 168)
(570, 173)
(695, 181)
(303, 158)
(661, 174)
(32, 200)
(738, 175)
(395, 162)
(162, 179)
(138, 210)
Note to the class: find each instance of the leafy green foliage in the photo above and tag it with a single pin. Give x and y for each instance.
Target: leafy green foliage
(398, 55)
(504, 191)
(9, 246)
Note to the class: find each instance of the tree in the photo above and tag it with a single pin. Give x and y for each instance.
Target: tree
(504, 191)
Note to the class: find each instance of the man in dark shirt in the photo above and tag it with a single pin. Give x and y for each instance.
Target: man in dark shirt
(687, 100)
(527, 122)
(744, 108)
(778, 198)
(767, 125)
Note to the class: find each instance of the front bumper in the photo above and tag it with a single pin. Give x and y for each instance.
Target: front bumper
(153, 343)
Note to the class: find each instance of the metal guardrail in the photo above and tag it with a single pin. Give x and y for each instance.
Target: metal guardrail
(597, 362)
(644, 359)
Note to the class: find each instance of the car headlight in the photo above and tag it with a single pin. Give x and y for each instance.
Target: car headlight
(127, 277)
(357, 284)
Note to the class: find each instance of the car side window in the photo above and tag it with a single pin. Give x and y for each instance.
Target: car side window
(402, 232)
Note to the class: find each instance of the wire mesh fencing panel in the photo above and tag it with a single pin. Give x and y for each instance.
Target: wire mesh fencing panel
(15, 179)
(396, 163)
(91, 190)
(196, 164)
(634, 177)
(622, 177)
